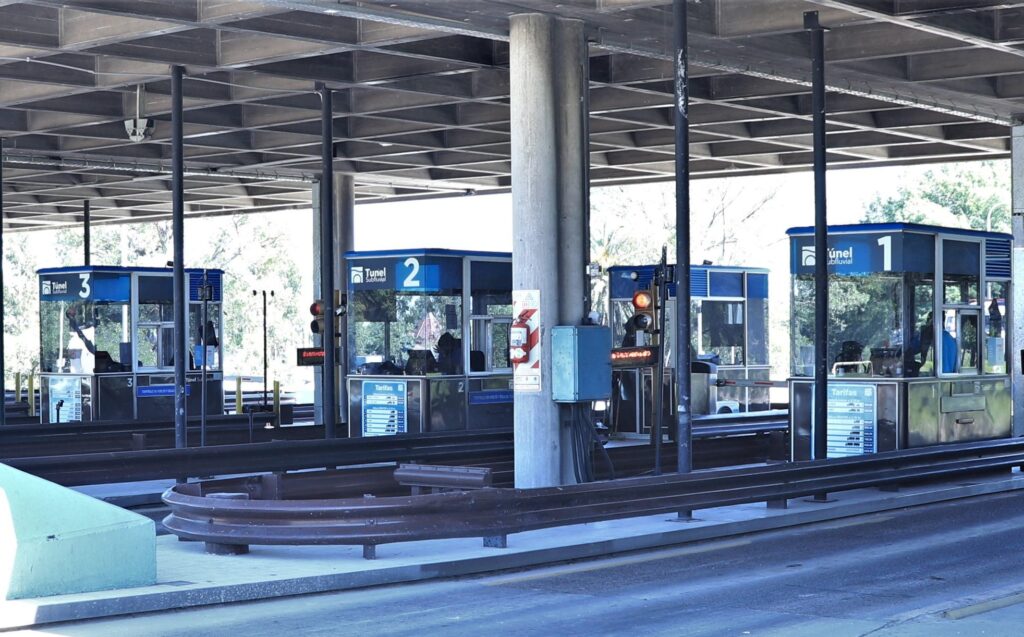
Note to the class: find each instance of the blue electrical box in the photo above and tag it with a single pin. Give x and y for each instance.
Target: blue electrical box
(581, 363)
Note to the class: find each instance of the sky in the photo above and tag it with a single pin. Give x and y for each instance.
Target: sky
(484, 222)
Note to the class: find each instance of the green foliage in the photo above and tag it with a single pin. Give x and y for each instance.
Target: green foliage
(976, 195)
(252, 249)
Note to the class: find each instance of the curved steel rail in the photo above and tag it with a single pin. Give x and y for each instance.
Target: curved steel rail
(489, 513)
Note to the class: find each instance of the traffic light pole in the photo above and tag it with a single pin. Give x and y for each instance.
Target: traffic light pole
(327, 256)
(658, 382)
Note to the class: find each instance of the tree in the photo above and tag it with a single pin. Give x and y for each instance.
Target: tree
(630, 224)
(970, 195)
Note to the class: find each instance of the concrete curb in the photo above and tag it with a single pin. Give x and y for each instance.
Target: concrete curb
(27, 613)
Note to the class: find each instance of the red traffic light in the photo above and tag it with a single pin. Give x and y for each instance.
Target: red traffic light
(643, 300)
(317, 308)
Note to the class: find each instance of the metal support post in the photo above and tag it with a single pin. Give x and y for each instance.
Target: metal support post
(344, 241)
(254, 293)
(817, 34)
(86, 233)
(327, 258)
(205, 294)
(1016, 336)
(178, 231)
(658, 379)
(683, 338)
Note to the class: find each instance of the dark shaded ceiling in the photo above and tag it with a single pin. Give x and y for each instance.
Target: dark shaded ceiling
(422, 94)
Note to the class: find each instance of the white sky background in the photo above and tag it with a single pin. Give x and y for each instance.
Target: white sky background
(484, 222)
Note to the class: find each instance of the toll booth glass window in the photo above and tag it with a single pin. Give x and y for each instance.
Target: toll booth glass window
(961, 268)
(865, 325)
(960, 345)
(723, 329)
(619, 314)
(757, 331)
(919, 354)
(491, 299)
(84, 337)
(993, 317)
(155, 342)
(210, 332)
(406, 333)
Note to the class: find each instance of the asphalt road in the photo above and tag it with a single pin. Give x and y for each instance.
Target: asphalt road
(950, 569)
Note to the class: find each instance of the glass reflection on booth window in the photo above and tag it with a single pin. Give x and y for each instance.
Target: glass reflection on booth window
(84, 338)
(723, 331)
(865, 326)
(919, 359)
(406, 333)
(993, 317)
(961, 268)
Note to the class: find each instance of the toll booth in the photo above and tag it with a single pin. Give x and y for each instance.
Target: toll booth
(729, 314)
(107, 343)
(918, 330)
(428, 341)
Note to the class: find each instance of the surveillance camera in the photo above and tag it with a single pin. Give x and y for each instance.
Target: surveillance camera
(139, 129)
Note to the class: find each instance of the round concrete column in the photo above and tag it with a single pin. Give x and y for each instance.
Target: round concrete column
(548, 253)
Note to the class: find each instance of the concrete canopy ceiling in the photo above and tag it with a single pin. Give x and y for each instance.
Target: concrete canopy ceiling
(422, 92)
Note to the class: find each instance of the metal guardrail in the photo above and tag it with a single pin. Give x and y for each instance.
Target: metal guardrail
(130, 466)
(720, 444)
(495, 513)
(19, 440)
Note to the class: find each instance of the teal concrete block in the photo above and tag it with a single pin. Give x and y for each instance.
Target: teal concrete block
(55, 541)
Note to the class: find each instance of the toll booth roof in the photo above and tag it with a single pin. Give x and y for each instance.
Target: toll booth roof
(122, 269)
(705, 281)
(422, 252)
(897, 227)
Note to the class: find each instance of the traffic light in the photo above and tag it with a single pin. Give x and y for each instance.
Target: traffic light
(644, 308)
(317, 310)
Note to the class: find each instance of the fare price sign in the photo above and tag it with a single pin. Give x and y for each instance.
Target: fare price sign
(852, 419)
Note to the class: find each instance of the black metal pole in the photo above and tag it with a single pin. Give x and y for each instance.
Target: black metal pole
(658, 380)
(86, 233)
(178, 231)
(683, 353)
(820, 236)
(264, 350)
(3, 366)
(204, 333)
(327, 257)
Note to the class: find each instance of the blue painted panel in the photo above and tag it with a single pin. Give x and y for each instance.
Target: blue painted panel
(757, 286)
(725, 284)
(490, 397)
(155, 391)
(409, 274)
(99, 287)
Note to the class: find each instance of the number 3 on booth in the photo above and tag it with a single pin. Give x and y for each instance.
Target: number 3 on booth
(409, 274)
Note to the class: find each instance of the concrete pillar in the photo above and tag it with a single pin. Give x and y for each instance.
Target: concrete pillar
(344, 241)
(1017, 313)
(318, 399)
(548, 56)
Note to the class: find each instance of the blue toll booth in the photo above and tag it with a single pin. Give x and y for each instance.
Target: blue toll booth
(428, 341)
(107, 343)
(918, 337)
(729, 312)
